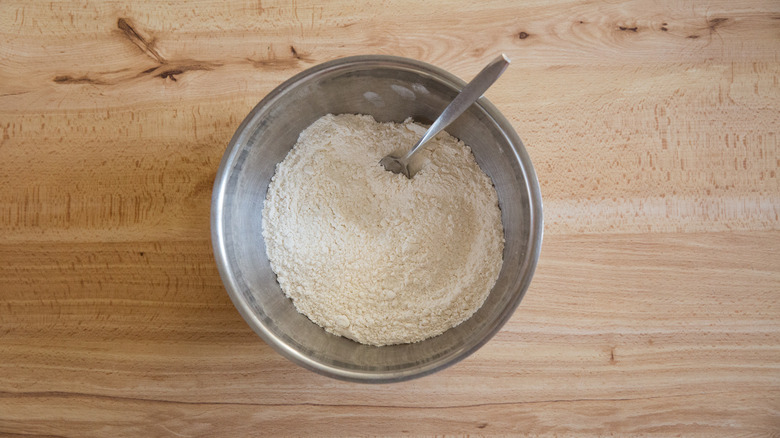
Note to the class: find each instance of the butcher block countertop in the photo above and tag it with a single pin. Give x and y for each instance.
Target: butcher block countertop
(653, 127)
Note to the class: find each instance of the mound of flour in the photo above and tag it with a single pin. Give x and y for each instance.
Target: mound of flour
(374, 256)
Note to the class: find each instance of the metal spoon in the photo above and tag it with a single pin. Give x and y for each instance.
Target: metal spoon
(470, 93)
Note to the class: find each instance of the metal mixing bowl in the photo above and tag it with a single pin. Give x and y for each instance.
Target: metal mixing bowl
(390, 89)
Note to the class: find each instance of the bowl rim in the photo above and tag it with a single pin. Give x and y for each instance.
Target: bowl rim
(528, 265)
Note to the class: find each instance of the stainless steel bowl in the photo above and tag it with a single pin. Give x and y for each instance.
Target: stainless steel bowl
(390, 89)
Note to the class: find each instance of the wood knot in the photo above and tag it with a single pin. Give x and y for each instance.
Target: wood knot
(170, 74)
(522, 35)
(145, 44)
(715, 22)
(65, 79)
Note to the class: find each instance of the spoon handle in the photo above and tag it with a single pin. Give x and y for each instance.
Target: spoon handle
(470, 93)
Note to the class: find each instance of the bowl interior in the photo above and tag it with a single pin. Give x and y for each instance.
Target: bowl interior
(389, 89)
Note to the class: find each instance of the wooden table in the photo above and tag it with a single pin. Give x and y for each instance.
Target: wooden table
(653, 126)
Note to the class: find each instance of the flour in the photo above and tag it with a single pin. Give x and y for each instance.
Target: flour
(371, 255)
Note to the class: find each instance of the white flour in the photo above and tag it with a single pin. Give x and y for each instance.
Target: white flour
(374, 256)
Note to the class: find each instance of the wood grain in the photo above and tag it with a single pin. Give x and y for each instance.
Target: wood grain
(653, 127)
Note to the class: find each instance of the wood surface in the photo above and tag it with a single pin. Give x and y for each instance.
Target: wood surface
(653, 126)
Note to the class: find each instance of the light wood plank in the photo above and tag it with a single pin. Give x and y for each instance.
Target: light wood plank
(653, 127)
